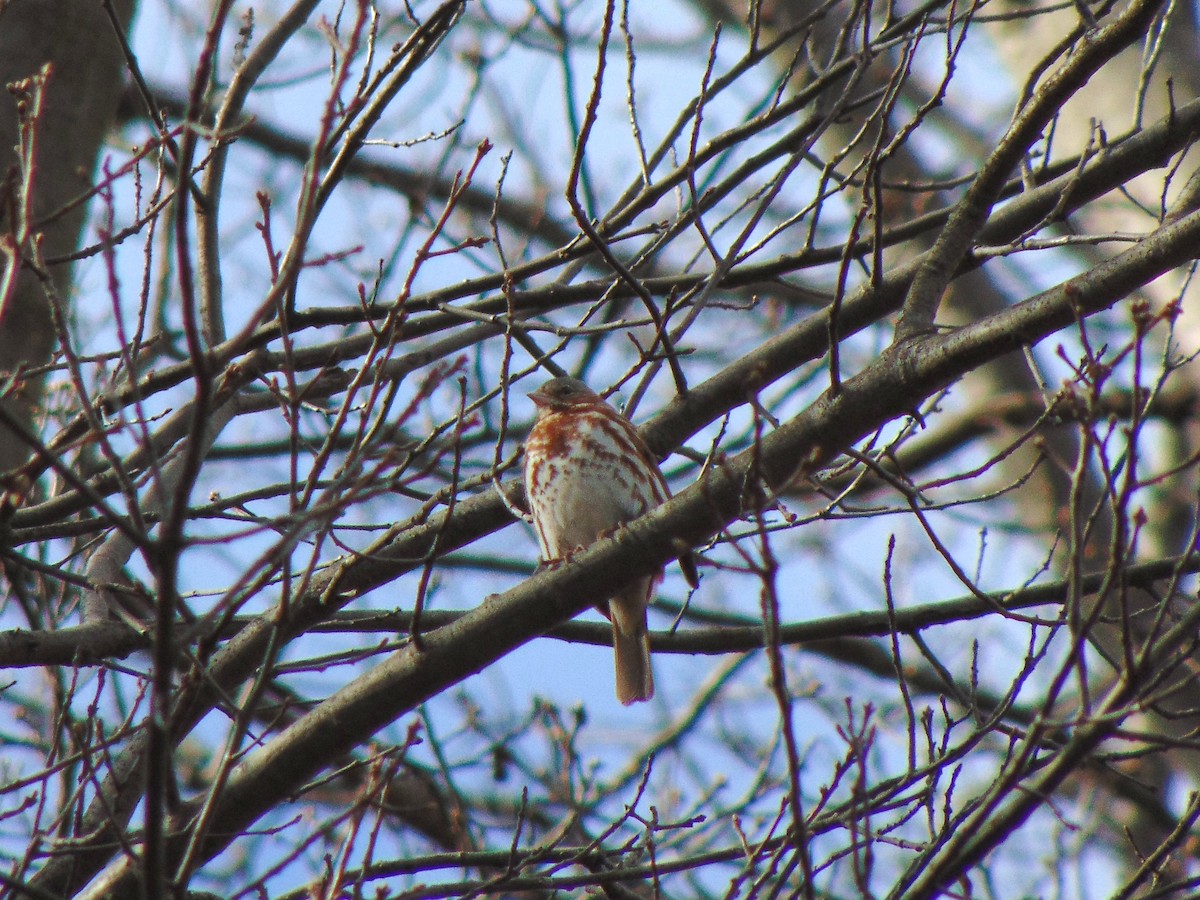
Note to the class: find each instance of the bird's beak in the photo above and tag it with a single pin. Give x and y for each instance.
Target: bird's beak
(539, 399)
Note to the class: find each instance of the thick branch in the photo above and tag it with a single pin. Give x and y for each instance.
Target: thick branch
(894, 384)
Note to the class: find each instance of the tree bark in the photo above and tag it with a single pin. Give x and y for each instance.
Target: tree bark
(73, 43)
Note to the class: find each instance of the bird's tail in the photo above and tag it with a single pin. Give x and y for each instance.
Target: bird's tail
(631, 643)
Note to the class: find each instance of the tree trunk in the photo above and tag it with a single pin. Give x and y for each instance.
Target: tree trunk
(73, 43)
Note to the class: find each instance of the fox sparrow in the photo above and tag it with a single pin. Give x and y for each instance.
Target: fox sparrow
(586, 472)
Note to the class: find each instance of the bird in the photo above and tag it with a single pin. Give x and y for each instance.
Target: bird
(587, 472)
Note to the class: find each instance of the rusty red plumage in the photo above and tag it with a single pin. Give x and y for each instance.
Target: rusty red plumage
(587, 471)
